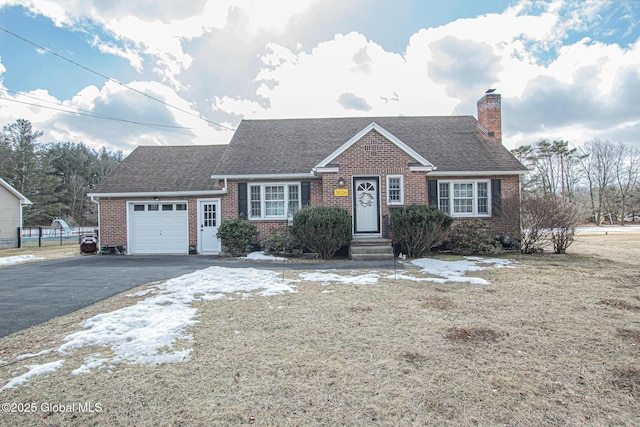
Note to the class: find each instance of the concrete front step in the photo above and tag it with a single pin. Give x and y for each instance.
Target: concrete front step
(371, 249)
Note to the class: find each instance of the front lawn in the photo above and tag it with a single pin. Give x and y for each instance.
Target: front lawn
(551, 340)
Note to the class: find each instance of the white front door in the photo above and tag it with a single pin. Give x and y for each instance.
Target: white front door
(208, 221)
(366, 205)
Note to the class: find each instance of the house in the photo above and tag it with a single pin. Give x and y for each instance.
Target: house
(11, 203)
(166, 199)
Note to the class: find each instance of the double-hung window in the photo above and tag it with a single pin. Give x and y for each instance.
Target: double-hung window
(395, 190)
(273, 201)
(464, 198)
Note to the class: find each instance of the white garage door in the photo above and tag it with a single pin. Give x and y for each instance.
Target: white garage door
(158, 228)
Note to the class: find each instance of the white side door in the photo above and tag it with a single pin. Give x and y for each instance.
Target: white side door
(208, 222)
(366, 205)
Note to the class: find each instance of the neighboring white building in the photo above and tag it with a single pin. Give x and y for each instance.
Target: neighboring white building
(11, 203)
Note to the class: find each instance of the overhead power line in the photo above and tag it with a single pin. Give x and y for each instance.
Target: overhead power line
(114, 80)
(101, 116)
(80, 111)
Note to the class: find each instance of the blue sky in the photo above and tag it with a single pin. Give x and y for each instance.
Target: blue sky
(566, 69)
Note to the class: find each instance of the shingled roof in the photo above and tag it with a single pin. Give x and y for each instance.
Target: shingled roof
(163, 169)
(296, 146)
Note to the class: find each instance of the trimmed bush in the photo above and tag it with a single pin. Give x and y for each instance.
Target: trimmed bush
(471, 236)
(418, 228)
(277, 240)
(322, 229)
(236, 234)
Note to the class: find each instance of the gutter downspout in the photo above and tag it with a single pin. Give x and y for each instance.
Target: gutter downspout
(97, 202)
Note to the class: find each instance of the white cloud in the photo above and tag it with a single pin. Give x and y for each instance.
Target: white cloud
(548, 85)
(127, 53)
(301, 84)
(119, 106)
(240, 58)
(159, 28)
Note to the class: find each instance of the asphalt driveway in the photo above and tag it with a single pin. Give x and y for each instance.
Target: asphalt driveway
(33, 293)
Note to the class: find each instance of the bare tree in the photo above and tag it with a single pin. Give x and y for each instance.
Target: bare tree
(597, 162)
(627, 172)
(548, 220)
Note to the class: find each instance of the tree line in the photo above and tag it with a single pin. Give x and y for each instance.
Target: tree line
(55, 176)
(601, 176)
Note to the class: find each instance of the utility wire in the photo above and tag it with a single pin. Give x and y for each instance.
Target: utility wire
(76, 110)
(100, 116)
(114, 80)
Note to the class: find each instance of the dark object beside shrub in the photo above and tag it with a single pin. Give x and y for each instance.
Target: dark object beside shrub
(473, 236)
(418, 228)
(236, 234)
(322, 229)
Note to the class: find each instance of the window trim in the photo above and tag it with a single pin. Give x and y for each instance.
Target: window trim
(395, 202)
(263, 209)
(451, 197)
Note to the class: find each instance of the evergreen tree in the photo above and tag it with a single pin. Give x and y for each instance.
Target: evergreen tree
(28, 170)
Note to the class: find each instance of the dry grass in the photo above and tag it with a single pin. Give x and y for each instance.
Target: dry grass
(46, 252)
(550, 343)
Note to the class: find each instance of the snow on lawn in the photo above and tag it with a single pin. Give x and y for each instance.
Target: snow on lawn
(30, 356)
(145, 332)
(326, 277)
(260, 256)
(455, 271)
(18, 259)
(34, 371)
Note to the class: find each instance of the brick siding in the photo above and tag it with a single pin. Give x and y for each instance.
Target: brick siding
(373, 155)
(508, 219)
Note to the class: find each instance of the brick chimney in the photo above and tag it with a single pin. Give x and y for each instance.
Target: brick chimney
(490, 115)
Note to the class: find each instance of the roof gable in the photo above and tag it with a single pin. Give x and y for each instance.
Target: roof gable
(16, 193)
(281, 148)
(374, 126)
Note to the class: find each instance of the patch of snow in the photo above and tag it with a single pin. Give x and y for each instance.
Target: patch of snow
(29, 355)
(326, 277)
(142, 293)
(213, 297)
(456, 271)
(91, 362)
(494, 262)
(410, 278)
(34, 371)
(260, 256)
(145, 332)
(18, 259)
(609, 229)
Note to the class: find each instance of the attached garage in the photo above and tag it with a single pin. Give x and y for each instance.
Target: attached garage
(158, 227)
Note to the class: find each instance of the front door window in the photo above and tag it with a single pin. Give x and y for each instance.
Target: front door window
(366, 205)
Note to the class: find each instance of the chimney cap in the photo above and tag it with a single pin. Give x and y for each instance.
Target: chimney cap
(490, 90)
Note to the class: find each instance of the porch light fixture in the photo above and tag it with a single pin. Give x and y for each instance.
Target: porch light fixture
(341, 182)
